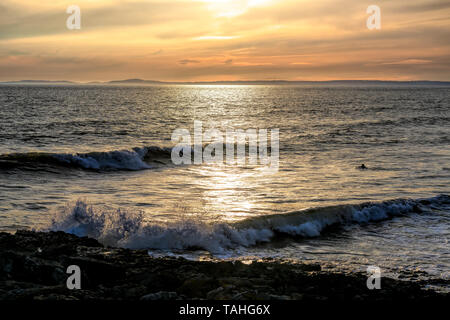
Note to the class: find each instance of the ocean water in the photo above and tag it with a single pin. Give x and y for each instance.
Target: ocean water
(95, 160)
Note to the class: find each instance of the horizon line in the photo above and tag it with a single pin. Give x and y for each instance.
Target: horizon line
(144, 81)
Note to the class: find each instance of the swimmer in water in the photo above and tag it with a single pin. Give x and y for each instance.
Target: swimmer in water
(363, 167)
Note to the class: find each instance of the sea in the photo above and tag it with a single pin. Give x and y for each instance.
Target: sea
(96, 160)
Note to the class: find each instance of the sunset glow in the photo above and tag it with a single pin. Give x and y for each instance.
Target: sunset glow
(203, 40)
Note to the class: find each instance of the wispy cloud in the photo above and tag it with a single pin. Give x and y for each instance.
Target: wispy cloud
(227, 40)
(215, 38)
(409, 61)
(188, 61)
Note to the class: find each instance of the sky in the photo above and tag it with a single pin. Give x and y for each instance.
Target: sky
(209, 40)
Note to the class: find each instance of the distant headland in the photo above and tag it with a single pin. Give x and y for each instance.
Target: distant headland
(239, 82)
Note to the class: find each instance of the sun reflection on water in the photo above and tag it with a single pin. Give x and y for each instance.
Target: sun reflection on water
(229, 190)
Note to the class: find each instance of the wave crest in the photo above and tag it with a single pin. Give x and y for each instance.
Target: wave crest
(130, 229)
(125, 228)
(136, 159)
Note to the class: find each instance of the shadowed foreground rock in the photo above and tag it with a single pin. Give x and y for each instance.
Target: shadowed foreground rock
(33, 267)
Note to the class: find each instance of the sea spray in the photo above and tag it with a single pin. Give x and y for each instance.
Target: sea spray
(131, 229)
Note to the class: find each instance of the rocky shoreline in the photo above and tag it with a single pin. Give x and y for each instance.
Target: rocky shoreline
(33, 266)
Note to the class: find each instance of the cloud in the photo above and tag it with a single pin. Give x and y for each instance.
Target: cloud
(188, 61)
(289, 39)
(425, 6)
(19, 22)
(157, 52)
(215, 38)
(409, 61)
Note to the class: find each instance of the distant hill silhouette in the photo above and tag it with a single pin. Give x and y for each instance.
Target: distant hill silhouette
(39, 81)
(256, 82)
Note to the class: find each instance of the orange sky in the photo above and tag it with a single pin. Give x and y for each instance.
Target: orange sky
(203, 40)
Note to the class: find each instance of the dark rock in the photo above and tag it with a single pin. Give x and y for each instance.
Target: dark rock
(161, 295)
(95, 272)
(198, 287)
(33, 267)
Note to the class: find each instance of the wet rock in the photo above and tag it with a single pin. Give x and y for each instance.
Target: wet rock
(24, 267)
(162, 295)
(198, 287)
(135, 292)
(55, 297)
(311, 267)
(215, 294)
(33, 267)
(278, 297)
(95, 271)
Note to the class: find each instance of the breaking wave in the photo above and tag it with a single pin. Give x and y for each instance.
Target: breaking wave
(130, 229)
(135, 159)
(139, 158)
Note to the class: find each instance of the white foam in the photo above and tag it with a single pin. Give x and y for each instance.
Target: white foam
(124, 159)
(118, 227)
(125, 228)
(307, 229)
